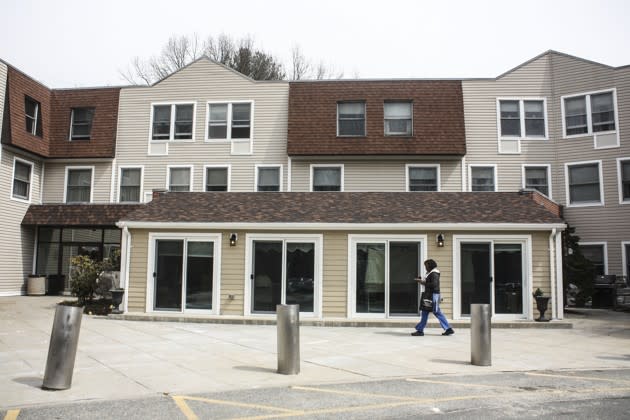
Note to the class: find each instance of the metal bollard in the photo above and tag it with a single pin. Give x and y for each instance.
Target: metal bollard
(64, 340)
(480, 342)
(288, 322)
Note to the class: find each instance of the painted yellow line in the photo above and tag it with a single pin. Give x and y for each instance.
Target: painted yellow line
(460, 383)
(11, 415)
(588, 378)
(180, 400)
(360, 394)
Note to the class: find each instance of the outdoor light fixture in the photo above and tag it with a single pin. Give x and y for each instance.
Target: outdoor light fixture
(440, 240)
(233, 239)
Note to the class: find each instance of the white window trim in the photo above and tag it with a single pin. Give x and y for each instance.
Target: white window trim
(326, 165)
(409, 166)
(171, 137)
(525, 240)
(605, 245)
(385, 119)
(72, 123)
(65, 182)
(30, 184)
(521, 100)
(481, 165)
(229, 121)
(120, 169)
(535, 165)
(619, 179)
(589, 122)
(262, 165)
(353, 239)
(229, 175)
(168, 176)
(291, 237)
(624, 258)
(364, 119)
(186, 237)
(601, 183)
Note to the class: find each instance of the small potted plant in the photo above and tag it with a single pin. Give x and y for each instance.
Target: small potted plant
(542, 302)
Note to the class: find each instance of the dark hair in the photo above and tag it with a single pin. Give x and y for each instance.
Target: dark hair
(430, 264)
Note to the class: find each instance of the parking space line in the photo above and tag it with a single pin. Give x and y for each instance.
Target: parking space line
(361, 394)
(460, 383)
(11, 415)
(180, 400)
(578, 377)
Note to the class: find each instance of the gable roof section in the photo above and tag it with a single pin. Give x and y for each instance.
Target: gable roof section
(344, 208)
(438, 118)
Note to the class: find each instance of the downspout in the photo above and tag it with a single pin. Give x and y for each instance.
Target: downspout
(553, 262)
(112, 197)
(289, 174)
(464, 174)
(124, 260)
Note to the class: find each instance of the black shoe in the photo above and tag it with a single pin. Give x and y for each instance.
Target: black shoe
(417, 334)
(448, 332)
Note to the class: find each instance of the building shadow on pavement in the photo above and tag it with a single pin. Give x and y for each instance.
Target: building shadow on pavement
(451, 362)
(255, 369)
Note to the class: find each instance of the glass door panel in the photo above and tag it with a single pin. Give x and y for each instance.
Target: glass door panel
(267, 276)
(508, 279)
(370, 278)
(199, 272)
(404, 259)
(168, 274)
(300, 275)
(475, 275)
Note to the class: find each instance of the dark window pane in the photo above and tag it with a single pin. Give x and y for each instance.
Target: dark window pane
(183, 122)
(326, 179)
(510, 118)
(603, 112)
(81, 123)
(216, 179)
(536, 178)
(161, 122)
(300, 275)
(370, 278)
(482, 179)
(199, 275)
(268, 179)
(351, 119)
(218, 132)
(423, 179)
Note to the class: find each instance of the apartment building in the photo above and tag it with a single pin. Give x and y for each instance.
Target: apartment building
(558, 124)
(228, 196)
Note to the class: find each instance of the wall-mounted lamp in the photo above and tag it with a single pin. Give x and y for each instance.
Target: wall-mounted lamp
(440, 240)
(233, 239)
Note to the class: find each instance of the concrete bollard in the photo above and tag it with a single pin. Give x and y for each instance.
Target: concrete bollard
(64, 340)
(480, 340)
(288, 322)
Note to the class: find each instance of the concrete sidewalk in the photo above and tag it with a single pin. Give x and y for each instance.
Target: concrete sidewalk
(128, 359)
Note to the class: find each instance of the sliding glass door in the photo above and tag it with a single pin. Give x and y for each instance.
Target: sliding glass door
(184, 274)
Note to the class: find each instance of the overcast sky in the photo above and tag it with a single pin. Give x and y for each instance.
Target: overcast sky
(71, 43)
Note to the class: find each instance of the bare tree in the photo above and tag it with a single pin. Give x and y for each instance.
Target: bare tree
(300, 67)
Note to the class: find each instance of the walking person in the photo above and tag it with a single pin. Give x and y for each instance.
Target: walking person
(431, 284)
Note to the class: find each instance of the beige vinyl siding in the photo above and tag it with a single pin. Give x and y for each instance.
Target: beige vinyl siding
(54, 180)
(541, 269)
(199, 83)
(552, 76)
(137, 287)
(233, 271)
(16, 242)
(376, 175)
(335, 275)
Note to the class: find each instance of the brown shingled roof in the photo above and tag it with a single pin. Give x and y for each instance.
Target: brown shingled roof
(345, 207)
(77, 214)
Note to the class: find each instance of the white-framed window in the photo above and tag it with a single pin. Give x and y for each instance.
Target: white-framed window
(398, 118)
(79, 184)
(81, 123)
(130, 188)
(380, 270)
(591, 113)
(351, 119)
(216, 177)
(520, 119)
(326, 177)
(421, 177)
(33, 116)
(180, 178)
(173, 121)
(22, 173)
(623, 175)
(229, 120)
(537, 177)
(584, 183)
(268, 177)
(482, 177)
(596, 253)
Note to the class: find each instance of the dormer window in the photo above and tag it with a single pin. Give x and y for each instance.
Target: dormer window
(398, 120)
(32, 110)
(81, 123)
(351, 119)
